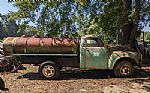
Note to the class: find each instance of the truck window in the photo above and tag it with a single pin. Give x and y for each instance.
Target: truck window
(93, 43)
(101, 43)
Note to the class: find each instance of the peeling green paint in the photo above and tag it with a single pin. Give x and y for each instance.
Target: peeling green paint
(93, 57)
(112, 60)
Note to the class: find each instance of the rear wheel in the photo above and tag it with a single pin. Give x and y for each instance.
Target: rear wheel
(123, 69)
(49, 70)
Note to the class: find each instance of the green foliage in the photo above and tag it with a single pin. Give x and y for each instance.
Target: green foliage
(146, 36)
(57, 18)
(8, 27)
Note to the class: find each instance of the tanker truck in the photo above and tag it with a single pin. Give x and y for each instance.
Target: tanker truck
(52, 54)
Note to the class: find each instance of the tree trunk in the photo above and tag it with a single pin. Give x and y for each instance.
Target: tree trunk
(127, 26)
(135, 22)
(129, 29)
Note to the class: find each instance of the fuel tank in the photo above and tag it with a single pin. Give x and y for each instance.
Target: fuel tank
(32, 45)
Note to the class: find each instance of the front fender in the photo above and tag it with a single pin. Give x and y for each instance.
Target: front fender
(116, 55)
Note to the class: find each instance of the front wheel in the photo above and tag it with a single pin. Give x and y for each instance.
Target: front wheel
(123, 69)
(49, 70)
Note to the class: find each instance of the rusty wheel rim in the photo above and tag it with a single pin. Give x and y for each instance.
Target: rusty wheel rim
(125, 70)
(48, 71)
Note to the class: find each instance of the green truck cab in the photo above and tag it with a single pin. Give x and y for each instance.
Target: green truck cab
(94, 54)
(89, 52)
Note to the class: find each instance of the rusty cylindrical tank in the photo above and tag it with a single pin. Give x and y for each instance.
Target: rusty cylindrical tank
(30, 45)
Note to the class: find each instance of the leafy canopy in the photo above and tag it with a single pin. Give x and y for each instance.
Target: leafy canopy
(58, 17)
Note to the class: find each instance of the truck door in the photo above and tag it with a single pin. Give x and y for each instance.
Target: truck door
(93, 54)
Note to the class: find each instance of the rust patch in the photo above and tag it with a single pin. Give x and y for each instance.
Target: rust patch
(65, 42)
(33, 42)
(40, 45)
(21, 42)
(46, 42)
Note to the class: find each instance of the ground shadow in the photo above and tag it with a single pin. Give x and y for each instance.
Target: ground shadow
(142, 82)
(2, 85)
(4, 89)
(69, 75)
(86, 74)
(143, 75)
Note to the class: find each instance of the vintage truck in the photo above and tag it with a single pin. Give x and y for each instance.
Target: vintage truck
(52, 54)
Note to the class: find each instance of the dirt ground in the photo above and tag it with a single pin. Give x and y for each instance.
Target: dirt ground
(76, 81)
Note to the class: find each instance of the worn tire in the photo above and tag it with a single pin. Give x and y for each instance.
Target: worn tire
(49, 70)
(2, 84)
(123, 69)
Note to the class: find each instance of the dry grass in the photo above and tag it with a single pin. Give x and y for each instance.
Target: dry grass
(28, 81)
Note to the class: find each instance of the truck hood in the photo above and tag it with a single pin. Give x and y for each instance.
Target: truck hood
(119, 48)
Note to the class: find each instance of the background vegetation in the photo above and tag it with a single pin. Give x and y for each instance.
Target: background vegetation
(120, 20)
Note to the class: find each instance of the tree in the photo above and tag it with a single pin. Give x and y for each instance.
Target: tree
(1, 30)
(111, 18)
(7, 27)
(123, 17)
(57, 18)
(131, 20)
